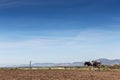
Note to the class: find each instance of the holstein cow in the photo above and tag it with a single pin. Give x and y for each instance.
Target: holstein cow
(93, 64)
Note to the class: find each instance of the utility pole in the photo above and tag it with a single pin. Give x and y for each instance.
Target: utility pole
(30, 64)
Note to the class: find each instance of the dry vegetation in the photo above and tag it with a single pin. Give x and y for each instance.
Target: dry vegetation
(58, 75)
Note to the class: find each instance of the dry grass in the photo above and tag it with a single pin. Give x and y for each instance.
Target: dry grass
(58, 75)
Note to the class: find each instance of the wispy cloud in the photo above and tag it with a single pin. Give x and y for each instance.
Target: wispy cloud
(17, 3)
(82, 37)
(8, 3)
(14, 3)
(87, 44)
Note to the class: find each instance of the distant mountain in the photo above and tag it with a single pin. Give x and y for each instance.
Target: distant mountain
(104, 62)
(110, 62)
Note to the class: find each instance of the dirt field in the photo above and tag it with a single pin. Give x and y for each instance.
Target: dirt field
(58, 75)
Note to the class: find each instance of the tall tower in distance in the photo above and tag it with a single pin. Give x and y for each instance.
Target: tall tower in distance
(30, 64)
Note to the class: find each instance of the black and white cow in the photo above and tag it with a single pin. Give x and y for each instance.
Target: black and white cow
(94, 64)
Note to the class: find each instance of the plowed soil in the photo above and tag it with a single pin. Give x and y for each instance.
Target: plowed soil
(58, 75)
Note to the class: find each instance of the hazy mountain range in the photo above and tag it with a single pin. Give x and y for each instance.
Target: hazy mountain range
(104, 62)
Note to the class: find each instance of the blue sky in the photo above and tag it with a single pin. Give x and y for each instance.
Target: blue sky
(58, 30)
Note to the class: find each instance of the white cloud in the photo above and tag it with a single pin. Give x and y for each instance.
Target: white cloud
(88, 44)
(84, 38)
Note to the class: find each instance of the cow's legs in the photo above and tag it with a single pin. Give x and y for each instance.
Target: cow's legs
(90, 68)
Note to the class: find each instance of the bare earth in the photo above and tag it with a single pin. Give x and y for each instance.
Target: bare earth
(58, 75)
